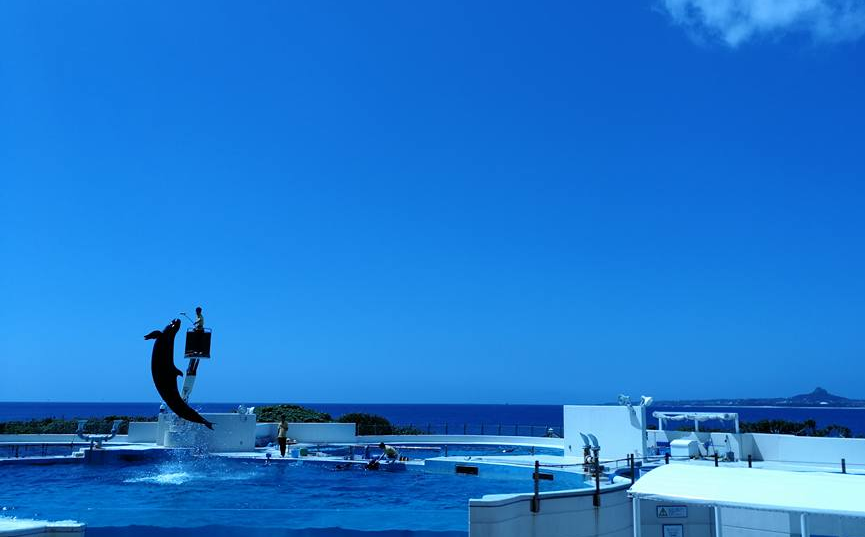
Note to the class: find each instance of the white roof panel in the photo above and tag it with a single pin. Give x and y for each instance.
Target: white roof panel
(754, 488)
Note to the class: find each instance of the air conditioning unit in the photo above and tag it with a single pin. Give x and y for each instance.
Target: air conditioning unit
(684, 447)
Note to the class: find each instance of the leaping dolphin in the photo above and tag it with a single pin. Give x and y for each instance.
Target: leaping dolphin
(165, 373)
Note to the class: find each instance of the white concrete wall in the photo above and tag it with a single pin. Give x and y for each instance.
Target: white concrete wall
(142, 431)
(231, 432)
(478, 439)
(788, 448)
(315, 433)
(779, 447)
(755, 523)
(699, 522)
(322, 432)
(265, 433)
(620, 430)
(562, 514)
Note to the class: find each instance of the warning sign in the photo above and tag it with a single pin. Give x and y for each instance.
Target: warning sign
(672, 511)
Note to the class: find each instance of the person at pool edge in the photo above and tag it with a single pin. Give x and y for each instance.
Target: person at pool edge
(282, 436)
(390, 452)
(198, 325)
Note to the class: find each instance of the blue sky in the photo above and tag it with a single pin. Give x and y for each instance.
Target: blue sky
(434, 202)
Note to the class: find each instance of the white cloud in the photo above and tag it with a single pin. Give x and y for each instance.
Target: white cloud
(736, 21)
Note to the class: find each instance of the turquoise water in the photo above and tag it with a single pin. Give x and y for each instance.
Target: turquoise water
(199, 492)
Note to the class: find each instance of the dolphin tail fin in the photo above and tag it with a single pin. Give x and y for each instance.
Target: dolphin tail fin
(208, 424)
(153, 335)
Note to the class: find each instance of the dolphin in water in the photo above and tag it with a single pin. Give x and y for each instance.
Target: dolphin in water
(165, 373)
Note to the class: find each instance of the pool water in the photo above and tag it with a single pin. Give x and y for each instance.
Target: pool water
(188, 492)
(426, 451)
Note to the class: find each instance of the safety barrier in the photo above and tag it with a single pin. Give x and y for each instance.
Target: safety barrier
(465, 429)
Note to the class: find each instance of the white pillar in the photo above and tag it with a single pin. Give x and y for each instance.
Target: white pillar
(696, 426)
(718, 532)
(637, 519)
(803, 520)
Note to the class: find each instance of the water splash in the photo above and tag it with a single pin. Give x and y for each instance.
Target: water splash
(169, 478)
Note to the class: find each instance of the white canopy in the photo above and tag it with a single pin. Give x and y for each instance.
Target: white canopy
(752, 488)
(696, 416)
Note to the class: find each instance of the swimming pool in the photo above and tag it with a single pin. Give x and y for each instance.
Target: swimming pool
(221, 496)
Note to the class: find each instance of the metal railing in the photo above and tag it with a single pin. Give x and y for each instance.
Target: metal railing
(18, 450)
(465, 429)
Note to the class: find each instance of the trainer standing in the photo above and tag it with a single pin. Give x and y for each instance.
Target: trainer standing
(199, 320)
(282, 436)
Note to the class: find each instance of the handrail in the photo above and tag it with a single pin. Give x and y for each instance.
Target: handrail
(463, 428)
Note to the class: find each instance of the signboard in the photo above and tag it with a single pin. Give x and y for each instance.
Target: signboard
(672, 511)
(673, 530)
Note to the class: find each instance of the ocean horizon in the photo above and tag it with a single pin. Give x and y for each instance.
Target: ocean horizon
(434, 414)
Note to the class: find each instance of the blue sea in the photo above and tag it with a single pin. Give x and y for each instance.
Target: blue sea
(457, 417)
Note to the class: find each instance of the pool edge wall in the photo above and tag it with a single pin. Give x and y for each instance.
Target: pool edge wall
(566, 513)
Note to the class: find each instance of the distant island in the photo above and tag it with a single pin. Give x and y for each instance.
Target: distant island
(819, 397)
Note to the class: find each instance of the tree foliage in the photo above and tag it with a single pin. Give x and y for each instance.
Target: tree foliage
(64, 426)
(799, 428)
(291, 413)
(368, 424)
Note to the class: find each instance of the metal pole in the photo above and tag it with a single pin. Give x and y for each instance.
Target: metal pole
(749, 460)
(843, 466)
(631, 460)
(805, 527)
(637, 519)
(716, 459)
(667, 458)
(536, 500)
(718, 527)
(596, 500)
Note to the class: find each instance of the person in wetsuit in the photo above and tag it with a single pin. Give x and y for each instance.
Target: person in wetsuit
(390, 452)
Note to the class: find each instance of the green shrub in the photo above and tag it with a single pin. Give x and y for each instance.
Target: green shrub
(368, 424)
(64, 426)
(291, 413)
(803, 428)
(407, 430)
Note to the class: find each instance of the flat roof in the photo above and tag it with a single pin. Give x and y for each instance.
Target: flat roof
(755, 488)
